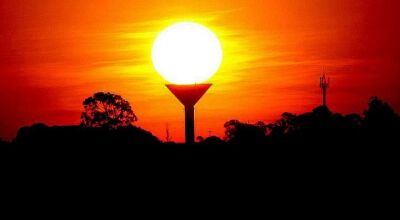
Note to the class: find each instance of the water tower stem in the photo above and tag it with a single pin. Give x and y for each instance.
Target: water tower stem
(189, 124)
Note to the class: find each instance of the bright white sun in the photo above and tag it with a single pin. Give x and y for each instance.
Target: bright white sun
(186, 53)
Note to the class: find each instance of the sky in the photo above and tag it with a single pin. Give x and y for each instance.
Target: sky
(54, 54)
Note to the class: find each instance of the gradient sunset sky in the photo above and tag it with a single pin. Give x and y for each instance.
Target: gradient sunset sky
(54, 54)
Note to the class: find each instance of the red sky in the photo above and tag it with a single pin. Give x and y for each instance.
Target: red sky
(53, 54)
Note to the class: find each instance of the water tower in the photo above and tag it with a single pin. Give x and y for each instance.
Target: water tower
(187, 54)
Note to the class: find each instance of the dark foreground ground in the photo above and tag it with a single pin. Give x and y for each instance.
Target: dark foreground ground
(345, 175)
(200, 154)
(323, 161)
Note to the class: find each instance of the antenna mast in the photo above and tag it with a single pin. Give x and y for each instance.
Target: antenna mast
(324, 85)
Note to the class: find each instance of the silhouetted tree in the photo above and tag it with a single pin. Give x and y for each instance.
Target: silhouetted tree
(107, 110)
(380, 115)
(56, 138)
(311, 133)
(282, 126)
(381, 125)
(243, 133)
(319, 127)
(213, 141)
(200, 138)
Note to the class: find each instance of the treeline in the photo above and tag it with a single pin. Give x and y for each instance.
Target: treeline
(377, 127)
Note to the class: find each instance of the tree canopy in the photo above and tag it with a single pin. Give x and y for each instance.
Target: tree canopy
(107, 110)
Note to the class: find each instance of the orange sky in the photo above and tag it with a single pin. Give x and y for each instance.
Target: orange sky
(53, 54)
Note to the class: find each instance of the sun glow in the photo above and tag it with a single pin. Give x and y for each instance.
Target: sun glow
(186, 53)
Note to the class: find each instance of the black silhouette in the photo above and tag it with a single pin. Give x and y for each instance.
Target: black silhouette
(320, 129)
(3, 145)
(107, 110)
(212, 141)
(324, 85)
(200, 138)
(243, 133)
(189, 95)
(380, 117)
(317, 132)
(82, 139)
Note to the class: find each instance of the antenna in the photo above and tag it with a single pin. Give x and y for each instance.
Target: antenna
(324, 85)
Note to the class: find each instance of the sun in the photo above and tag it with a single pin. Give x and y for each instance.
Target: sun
(186, 53)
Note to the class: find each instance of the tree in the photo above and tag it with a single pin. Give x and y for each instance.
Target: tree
(213, 141)
(380, 115)
(244, 133)
(282, 126)
(107, 110)
(200, 138)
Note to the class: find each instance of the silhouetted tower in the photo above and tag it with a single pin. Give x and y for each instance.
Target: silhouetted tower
(189, 95)
(324, 85)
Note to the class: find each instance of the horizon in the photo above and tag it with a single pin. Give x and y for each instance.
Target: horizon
(222, 136)
(56, 54)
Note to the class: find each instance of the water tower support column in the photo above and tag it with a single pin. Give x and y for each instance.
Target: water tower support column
(189, 124)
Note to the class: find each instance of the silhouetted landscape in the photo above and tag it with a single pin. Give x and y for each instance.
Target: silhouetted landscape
(111, 82)
(142, 101)
(107, 128)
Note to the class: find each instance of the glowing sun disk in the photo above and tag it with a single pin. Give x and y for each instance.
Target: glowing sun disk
(186, 53)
